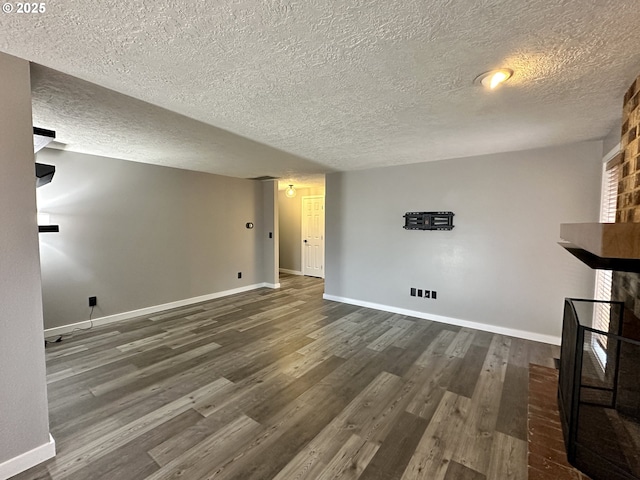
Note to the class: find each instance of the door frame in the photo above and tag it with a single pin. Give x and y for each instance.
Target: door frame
(302, 232)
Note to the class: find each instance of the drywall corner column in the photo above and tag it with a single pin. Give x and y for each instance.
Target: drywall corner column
(24, 425)
(270, 232)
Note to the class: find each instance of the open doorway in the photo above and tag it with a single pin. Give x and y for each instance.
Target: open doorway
(292, 231)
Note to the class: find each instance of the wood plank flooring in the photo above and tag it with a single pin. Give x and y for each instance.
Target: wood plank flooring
(281, 384)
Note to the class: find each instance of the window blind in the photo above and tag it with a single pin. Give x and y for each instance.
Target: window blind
(610, 178)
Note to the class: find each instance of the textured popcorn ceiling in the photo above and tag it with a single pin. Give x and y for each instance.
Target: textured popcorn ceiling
(336, 84)
(98, 121)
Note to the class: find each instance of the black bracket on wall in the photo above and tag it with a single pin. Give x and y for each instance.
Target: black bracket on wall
(428, 220)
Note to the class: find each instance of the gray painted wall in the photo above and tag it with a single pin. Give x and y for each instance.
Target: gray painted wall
(24, 423)
(290, 232)
(290, 221)
(138, 235)
(270, 216)
(500, 265)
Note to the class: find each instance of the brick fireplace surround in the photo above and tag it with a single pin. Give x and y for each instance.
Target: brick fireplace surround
(626, 286)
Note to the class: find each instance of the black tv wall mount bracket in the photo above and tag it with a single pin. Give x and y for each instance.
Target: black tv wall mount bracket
(428, 221)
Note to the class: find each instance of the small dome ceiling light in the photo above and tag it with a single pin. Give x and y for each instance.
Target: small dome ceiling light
(290, 192)
(494, 78)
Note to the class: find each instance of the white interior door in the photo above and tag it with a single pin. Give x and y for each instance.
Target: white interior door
(313, 236)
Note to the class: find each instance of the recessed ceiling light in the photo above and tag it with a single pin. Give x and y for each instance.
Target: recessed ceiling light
(493, 78)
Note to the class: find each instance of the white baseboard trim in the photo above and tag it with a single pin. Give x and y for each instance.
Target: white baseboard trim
(511, 332)
(290, 272)
(51, 332)
(28, 459)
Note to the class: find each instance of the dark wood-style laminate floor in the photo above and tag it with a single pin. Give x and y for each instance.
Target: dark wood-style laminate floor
(283, 384)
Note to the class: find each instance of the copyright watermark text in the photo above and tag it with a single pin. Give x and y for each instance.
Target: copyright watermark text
(22, 7)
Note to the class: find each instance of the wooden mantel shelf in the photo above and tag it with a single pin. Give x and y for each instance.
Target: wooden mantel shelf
(605, 240)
